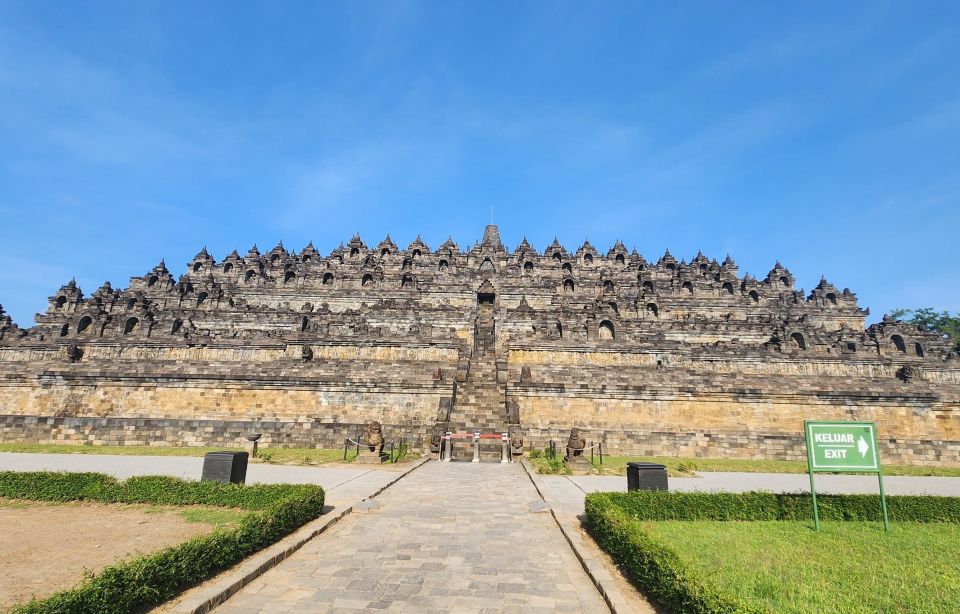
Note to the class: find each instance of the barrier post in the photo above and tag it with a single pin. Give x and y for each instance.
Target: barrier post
(448, 448)
(346, 442)
(504, 449)
(591, 452)
(600, 448)
(476, 447)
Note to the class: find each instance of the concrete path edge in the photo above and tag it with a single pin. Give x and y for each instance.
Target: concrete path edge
(593, 568)
(206, 599)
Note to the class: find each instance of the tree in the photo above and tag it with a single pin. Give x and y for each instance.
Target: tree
(928, 319)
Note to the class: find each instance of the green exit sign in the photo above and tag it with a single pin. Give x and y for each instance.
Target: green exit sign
(849, 447)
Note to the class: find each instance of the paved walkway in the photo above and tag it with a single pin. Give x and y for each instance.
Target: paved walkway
(568, 492)
(343, 484)
(449, 537)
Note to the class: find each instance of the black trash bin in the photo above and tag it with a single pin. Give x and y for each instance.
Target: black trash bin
(646, 476)
(225, 467)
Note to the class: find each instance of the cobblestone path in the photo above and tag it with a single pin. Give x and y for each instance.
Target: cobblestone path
(449, 537)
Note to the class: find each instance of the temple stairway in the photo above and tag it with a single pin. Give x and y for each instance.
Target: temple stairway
(479, 403)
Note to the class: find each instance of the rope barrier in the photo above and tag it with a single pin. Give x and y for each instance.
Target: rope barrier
(445, 453)
(358, 444)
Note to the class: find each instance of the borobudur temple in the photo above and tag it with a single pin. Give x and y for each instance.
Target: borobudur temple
(661, 357)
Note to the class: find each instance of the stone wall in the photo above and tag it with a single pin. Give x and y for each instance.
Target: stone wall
(706, 425)
(666, 405)
(740, 443)
(201, 433)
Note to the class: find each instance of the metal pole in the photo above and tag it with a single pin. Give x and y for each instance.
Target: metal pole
(504, 446)
(813, 487)
(476, 447)
(816, 513)
(449, 448)
(883, 502)
(391, 452)
(346, 441)
(601, 454)
(591, 452)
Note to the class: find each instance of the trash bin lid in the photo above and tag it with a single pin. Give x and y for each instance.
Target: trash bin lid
(645, 465)
(225, 454)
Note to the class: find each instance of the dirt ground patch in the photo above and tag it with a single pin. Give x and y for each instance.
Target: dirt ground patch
(46, 547)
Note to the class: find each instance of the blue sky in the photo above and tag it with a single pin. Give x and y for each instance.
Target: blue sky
(824, 135)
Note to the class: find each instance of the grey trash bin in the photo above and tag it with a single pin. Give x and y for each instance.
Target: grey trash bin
(225, 467)
(646, 476)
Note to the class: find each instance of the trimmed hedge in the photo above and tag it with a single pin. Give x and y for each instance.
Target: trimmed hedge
(157, 489)
(662, 505)
(656, 569)
(137, 584)
(612, 519)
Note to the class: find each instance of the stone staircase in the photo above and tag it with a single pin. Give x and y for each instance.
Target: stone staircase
(479, 404)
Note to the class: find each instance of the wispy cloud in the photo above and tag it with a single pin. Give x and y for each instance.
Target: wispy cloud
(103, 118)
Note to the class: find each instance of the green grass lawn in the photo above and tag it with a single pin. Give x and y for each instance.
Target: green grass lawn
(847, 567)
(687, 467)
(279, 456)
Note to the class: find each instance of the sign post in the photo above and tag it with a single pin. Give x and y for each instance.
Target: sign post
(843, 447)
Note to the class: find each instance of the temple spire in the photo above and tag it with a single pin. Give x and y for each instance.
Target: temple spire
(491, 238)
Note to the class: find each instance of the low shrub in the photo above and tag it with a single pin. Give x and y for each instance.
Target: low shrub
(157, 489)
(661, 505)
(653, 567)
(137, 584)
(52, 486)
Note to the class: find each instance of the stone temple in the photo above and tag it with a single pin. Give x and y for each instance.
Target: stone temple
(660, 357)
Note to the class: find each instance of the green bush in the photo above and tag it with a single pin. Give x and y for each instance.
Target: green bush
(156, 489)
(661, 505)
(149, 580)
(654, 568)
(50, 486)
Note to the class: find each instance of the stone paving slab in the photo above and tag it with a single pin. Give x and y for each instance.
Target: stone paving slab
(728, 481)
(343, 484)
(449, 537)
(568, 492)
(563, 500)
(207, 595)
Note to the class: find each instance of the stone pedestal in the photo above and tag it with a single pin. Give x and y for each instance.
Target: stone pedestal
(579, 463)
(366, 457)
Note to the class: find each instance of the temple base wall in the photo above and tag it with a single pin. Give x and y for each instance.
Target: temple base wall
(910, 432)
(191, 412)
(169, 432)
